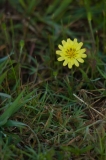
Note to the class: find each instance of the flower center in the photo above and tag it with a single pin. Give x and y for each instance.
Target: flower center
(71, 53)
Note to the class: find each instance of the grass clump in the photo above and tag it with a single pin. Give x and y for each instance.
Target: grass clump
(47, 111)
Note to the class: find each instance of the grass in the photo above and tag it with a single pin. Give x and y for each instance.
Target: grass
(49, 112)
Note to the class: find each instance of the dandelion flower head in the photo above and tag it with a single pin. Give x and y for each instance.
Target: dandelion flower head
(71, 53)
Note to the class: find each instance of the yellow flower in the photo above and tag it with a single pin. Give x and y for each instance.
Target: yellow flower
(71, 53)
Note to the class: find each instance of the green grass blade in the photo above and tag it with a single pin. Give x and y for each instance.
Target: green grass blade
(11, 123)
(5, 95)
(2, 77)
(62, 7)
(11, 109)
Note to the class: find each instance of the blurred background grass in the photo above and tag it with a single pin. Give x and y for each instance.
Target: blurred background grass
(49, 112)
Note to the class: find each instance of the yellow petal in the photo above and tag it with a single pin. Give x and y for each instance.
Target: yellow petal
(83, 55)
(76, 63)
(71, 61)
(79, 46)
(69, 40)
(69, 65)
(65, 63)
(75, 40)
(58, 52)
(63, 42)
(60, 47)
(80, 60)
(82, 50)
(60, 59)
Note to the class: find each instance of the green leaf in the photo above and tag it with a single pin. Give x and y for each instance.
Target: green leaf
(11, 123)
(2, 77)
(6, 57)
(5, 95)
(102, 72)
(3, 121)
(62, 7)
(15, 106)
(11, 109)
